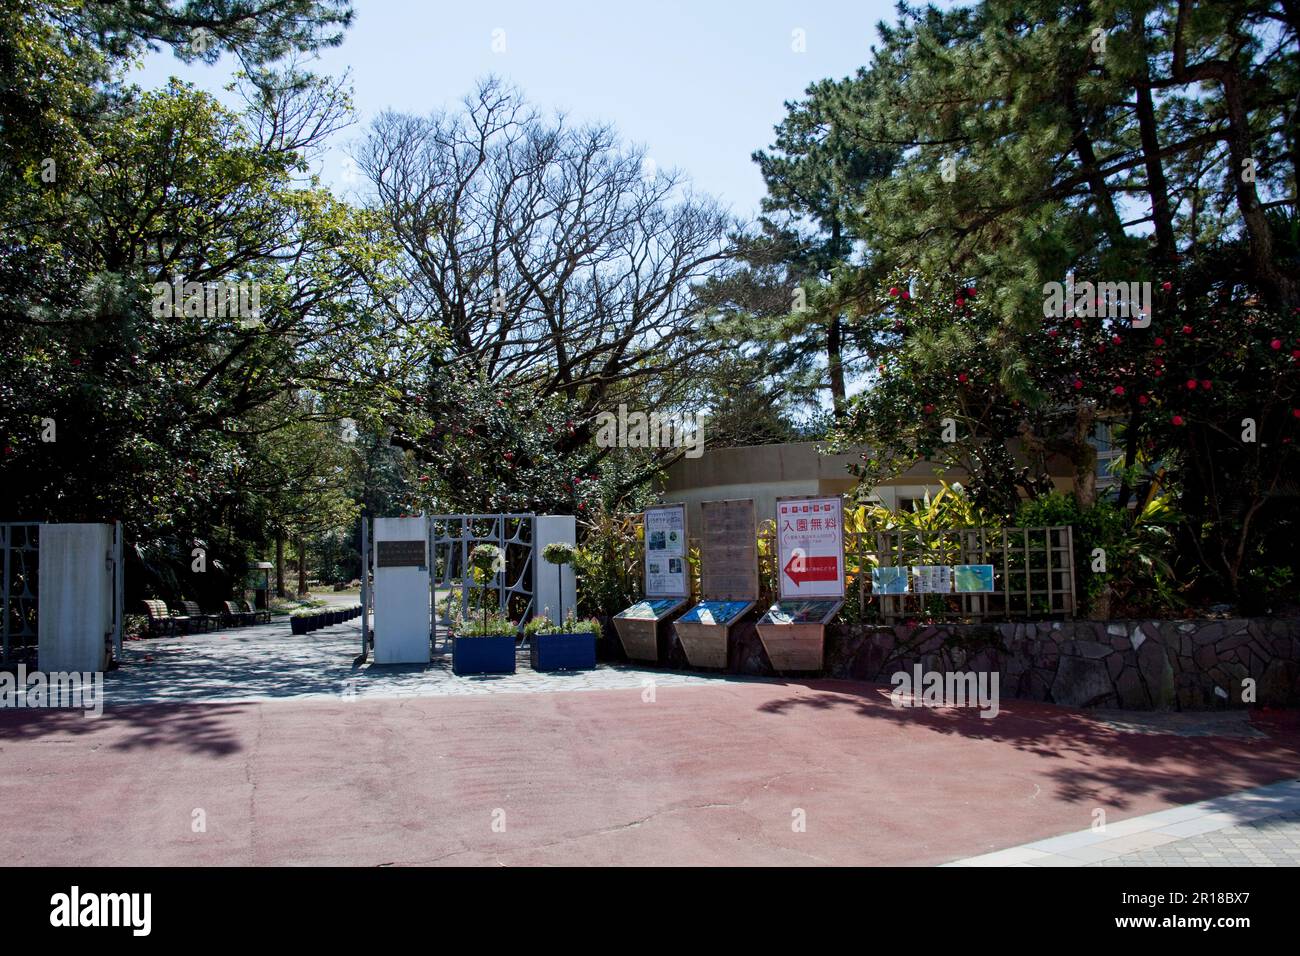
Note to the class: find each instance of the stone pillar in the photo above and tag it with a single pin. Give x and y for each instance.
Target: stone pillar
(547, 583)
(75, 597)
(401, 593)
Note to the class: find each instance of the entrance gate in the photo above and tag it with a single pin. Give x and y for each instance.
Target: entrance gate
(453, 537)
(20, 590)
(450, 539)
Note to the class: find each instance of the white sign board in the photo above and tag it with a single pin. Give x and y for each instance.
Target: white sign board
(665, 552)
(810, 547)
(932, 578)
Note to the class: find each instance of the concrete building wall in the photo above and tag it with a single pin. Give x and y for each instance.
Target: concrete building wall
(767, 472)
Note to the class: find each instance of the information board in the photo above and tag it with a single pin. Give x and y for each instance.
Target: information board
(665, 552)
(649, 610)
(728, 551)
(810, 547)
(973, 578)
(932, 578)
(399, 554)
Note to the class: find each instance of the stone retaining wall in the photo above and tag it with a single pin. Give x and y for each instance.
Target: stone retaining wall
(1140, 665)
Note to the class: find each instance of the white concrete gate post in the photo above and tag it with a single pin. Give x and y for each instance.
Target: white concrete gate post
(401, 595)
(548, 587)
(76, 597)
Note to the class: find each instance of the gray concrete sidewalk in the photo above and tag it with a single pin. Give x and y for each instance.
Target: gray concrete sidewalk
(1259, 827)
(268, 662)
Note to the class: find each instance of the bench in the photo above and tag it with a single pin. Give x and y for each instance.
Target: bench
(163, 621)
(261, 616)
(207, 621)
(234, 615)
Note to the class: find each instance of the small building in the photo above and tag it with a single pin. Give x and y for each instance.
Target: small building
(768, 472)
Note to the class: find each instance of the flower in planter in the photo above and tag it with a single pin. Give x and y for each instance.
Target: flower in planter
(488, 561)
(490, 625)
(542, 624)
(559, 553)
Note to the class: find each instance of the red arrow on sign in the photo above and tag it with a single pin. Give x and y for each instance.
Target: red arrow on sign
(800, 569)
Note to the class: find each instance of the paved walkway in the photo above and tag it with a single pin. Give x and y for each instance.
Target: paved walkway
(269, 662)
(705, 772)
(1258, 827)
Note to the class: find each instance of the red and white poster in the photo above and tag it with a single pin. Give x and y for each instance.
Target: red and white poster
(810, 547)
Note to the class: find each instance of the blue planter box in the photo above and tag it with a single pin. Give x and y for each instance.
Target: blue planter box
(563, 652)
(483, 655)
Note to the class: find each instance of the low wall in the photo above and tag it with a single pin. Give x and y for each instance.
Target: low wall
(1139, 665)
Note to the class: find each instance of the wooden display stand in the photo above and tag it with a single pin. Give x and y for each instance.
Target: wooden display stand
(728, 581)
(810, 572)
(643, 627)
(793, 644)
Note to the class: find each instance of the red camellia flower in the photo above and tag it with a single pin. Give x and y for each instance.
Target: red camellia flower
(1159, 340)
(1078, 383)
(906, 295)
(1191, 384)
(961, 303)
(1142, 399)
(1158, 362)
(1275, 344)
(970, 294)
(1166, 286)
(1187, 330)
(1116, 339)
(1206, 383)
(1119, 389)
(1078, 323)
(1177, 419)
(961, 377)
(1053, 333)
(929, 409)
(1294, 411)
(893, 290)
(424, 477)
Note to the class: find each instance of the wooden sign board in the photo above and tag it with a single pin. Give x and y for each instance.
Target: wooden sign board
(729, 551)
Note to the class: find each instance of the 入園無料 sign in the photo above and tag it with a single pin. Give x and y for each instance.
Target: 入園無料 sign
(810, 547)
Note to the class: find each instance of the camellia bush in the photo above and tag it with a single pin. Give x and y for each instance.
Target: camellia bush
(1202, 402)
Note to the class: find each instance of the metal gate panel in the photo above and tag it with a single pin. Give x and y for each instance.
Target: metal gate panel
(453, 537)
(19, 542)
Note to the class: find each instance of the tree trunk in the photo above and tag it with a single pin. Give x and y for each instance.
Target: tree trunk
(302, 568)
(1084, 458)
(835, 365)
(279, 564)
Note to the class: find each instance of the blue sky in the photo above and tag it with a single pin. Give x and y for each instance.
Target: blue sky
(699, 84)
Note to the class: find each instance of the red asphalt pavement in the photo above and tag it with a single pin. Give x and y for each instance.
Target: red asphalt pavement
(703, 775)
